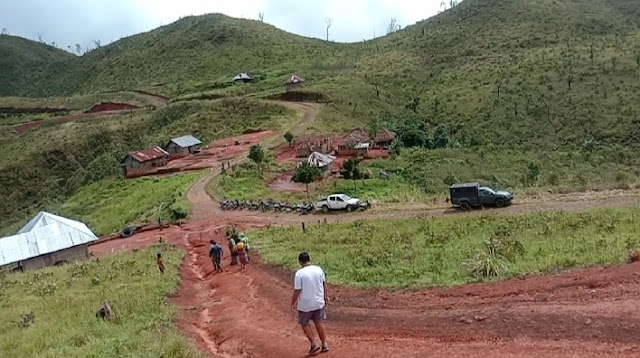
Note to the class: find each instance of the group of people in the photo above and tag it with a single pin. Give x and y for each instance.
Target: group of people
(309, 298)
(238, 246)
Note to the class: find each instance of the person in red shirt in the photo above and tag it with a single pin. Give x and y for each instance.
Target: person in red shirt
(160, 263)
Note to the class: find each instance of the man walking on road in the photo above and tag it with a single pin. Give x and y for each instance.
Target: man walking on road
(216, 256)
(310, 299)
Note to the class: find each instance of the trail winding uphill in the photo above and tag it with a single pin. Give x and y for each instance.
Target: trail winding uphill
(582, 313)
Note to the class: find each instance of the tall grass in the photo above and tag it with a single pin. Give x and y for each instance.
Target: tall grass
(64, 300)
(434, 252)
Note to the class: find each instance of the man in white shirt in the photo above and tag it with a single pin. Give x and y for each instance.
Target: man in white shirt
(310, 299)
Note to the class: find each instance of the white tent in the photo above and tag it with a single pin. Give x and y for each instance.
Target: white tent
(44, 234)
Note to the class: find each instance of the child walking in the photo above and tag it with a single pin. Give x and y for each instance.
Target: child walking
(242, 255)
(160, 263)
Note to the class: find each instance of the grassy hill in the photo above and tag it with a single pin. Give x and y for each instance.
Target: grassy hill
(545, 89)
(25, 63)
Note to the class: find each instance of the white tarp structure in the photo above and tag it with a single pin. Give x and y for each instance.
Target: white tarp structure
(320, 160)
(44, 234)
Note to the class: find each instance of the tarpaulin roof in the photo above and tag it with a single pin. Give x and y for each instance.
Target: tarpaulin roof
(186, 141)
(149, 154)
(295, 79)
(242, 76)
(320, 160)
(45, 233)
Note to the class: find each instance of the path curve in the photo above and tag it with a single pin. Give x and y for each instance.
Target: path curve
(581, 313)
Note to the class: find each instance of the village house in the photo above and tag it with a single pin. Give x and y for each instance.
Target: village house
(182, 146)
(293, 83)
(384, 138)
(355, 143)
(47, 240)
(243, 78)
(321, 161)
(307, 147)
(138, 163)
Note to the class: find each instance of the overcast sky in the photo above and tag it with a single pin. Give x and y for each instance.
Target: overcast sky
(68, 22)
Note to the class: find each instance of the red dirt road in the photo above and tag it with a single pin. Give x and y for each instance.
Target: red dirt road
(582, 313)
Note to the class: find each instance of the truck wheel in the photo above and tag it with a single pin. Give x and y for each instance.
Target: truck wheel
(325, 209)
(500, 203)
(465, 205)
(349, 208)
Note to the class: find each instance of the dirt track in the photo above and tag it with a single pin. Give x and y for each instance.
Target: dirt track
(583, 313)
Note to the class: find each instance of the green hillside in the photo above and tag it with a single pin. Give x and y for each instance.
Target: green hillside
(25, 62)
(551, 85)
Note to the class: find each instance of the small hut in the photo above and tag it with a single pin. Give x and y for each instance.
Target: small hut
(321, 161)
(243, 78)
(355, 143)
(137, 163)
(307, 147)
(183, 146)
(293, 83)
(384, 138)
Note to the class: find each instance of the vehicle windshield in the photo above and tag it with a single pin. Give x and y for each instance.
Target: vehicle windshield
(345, 197)
(489, 190)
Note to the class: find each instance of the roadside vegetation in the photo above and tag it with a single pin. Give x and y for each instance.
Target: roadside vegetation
(51, 312)
(450, 251)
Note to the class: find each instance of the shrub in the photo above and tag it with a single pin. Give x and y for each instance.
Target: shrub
(634, 256)
(26, 319)
(489, 262)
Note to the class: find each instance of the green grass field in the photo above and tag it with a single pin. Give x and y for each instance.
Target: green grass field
(64, 301)
(427, 252)
(109, 205)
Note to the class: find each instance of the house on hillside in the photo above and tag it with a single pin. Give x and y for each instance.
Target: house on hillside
(243, 78)
(293, 83)
(47, 240)
(384, 138)
(182, 146)
(306, 147)
(357, 143)
(138, 163)
(321, 161)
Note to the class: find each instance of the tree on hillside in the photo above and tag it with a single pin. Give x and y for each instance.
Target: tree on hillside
(351, 170)
(40, 37)
(441, 137)
(256, 154)
(289, 138)
(414, 104)
(306, 174)
(98, 43)
(393, 26)
(329, 22)
(261, 16)
(79, 49)
(4, 31)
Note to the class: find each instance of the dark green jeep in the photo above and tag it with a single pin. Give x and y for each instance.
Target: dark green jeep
(466, 196)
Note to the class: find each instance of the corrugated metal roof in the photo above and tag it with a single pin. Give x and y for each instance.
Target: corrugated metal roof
(45, 233)
(186, 141)
(320, 160)
(146, 155)
(242, 76)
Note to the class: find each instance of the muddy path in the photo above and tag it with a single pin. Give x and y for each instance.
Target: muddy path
(245, 313)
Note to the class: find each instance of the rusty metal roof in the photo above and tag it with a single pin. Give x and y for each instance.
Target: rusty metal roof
(45, 233)
(146, 155)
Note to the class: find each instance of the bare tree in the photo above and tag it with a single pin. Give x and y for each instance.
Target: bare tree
(261, 16)
(97, 43)
(40, 37)
(329, 22)
(4, 31)
(393, 26)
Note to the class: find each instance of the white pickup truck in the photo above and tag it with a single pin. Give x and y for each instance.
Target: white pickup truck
(338, 202)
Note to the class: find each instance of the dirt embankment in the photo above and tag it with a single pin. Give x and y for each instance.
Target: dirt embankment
(111, 106)
(13, 111)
